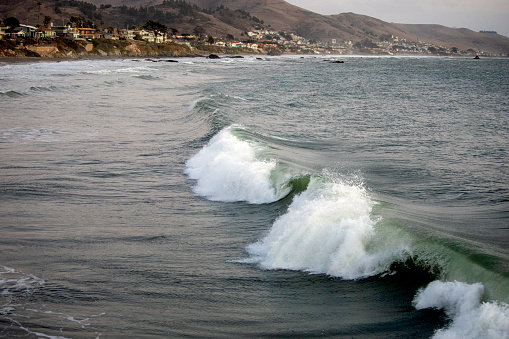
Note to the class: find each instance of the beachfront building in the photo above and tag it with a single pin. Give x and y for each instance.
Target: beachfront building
(16, 32)
(88, 33)
(66, 32)
(30, 31)
(43, 32)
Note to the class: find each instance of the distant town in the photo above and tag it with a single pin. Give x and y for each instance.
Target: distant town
(38, 40)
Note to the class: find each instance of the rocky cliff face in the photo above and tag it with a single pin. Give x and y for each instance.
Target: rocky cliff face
(105, 48)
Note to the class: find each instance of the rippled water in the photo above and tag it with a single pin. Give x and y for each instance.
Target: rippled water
(255, 197)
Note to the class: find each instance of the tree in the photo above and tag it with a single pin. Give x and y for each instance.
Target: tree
(76, 20)
(11, 22)
(39, 15)
(199, 31)
(174, 31)
(156, 27)
(210, 40)
(47, 21)
(230, 37)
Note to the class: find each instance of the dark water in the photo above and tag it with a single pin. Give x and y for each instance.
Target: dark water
(282, 197)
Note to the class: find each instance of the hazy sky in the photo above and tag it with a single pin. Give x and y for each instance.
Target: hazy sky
(492, 15)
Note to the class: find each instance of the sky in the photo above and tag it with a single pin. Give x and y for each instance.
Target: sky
(488, 15)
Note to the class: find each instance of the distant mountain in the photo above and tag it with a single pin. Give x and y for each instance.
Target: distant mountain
(461, 38)
(239, 16)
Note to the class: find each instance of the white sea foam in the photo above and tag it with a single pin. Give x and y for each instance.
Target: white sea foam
(328, 229)
(16, 287)
(471, 318)
(228, 169)
(119, 70)
(11, 280)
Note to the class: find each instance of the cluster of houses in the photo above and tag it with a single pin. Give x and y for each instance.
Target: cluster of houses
(257, 40)
(79, 33)
(388, 45)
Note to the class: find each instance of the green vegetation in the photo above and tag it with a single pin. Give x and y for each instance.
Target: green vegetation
(156, 27)
(11, 22)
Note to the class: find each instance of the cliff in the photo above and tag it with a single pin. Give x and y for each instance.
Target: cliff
(60, 48)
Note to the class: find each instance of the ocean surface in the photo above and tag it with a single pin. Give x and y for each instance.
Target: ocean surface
(262, 197)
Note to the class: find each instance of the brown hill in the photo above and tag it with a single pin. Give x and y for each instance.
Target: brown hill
(461, 38)
(276, 14)
(349, 26)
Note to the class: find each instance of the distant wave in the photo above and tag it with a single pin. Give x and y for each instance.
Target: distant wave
(11, 94)
(42, 88)
(146, 77)
(215, 101)
(30, 90)
(118, 70)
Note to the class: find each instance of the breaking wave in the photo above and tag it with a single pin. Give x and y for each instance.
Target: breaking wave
(329, 229)
(333, 226)
(229, 169)
(471, 317)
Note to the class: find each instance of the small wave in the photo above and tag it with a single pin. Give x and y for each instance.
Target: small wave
(328, 229)
(229, 169)
(214, 100)
(11, 94)
(119, 70)
(471, 318)
(42, 89)
(146, 77)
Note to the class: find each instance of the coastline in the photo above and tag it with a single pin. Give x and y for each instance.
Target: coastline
(61, 49)
(103, 49)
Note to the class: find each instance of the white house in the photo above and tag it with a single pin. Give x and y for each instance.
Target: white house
(43, 32)
(29, 30)
(67, 32)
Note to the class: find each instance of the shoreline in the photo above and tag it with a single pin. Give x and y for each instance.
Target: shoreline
(31, 59)
(62, 49)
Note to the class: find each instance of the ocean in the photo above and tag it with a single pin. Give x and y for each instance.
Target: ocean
(255, 197)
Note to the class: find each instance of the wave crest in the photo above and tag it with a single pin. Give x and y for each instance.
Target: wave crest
(471, 318)
(229, 169)
(328, 229)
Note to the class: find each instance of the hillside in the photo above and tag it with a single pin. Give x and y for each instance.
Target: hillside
(222, 17)
(349, 26)
(462, 38)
